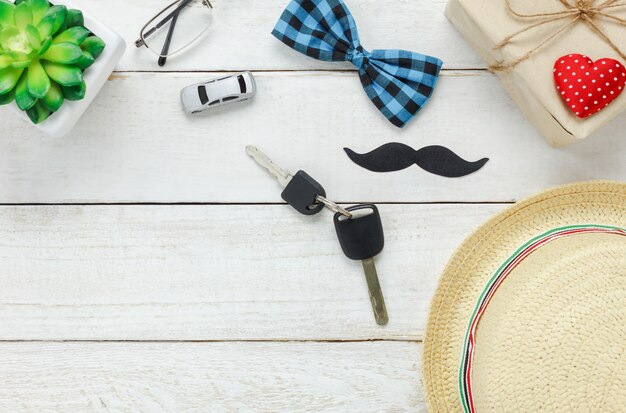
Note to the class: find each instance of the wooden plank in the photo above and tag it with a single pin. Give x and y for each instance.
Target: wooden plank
(240, 37)
(135, 144)
(215, 377)
(215, 272)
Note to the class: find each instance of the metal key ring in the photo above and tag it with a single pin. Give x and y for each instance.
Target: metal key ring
(333, 206)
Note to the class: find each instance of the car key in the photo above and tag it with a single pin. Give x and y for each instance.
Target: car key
(300, 191)
(361, 238)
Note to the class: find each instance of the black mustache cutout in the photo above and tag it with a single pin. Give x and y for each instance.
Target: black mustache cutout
(436, 159)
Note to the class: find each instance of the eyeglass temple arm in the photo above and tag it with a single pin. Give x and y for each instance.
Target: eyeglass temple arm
(168, 40)
(167, 18)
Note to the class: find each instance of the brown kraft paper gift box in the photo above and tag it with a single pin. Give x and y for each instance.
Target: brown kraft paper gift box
(485, 23)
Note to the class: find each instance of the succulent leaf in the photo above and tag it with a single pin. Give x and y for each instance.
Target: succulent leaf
(38, 113)
(46, 25)
(38, 80)
(75, 18)
(94, 45)
(23, 15)
(66, 53)
(6, 60)
(7, 97)
(20, 60)
(52, 21)
(7, 13)
(33, 37)
(76, 35)
(6, 35)
(45, 45)
(8, 79)
(75, 92)
(23, 98)
(64, 75)
(20, 64)
(54, 98)
(85, 60)
(39, 9)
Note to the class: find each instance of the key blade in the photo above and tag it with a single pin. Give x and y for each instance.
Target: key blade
(376, 293)
(283, 177)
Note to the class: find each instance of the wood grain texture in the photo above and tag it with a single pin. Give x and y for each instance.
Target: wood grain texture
(248, 273)
(215, 272)
(240, 37)
(135, 144)
(211, 377)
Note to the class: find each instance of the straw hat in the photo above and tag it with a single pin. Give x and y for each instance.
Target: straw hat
(530, 312)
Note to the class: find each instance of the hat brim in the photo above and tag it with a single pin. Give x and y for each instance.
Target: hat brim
(469, 271)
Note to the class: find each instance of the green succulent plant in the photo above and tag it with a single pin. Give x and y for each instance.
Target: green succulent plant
(44, 50)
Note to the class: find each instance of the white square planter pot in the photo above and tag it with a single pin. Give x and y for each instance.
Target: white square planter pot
(64, 120)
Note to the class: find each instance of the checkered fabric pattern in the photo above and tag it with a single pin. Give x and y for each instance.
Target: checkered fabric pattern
(399, 82)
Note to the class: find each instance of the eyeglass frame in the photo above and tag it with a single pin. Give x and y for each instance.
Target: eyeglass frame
(172, 16)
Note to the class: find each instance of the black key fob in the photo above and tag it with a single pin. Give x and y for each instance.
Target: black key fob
(302, 192)
(360, 237)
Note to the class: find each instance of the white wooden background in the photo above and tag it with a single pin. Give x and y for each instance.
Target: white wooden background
(146, 264)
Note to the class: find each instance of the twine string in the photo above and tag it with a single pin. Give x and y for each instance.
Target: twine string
(580, 10)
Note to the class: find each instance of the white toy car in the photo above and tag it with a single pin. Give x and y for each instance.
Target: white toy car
(217, 92)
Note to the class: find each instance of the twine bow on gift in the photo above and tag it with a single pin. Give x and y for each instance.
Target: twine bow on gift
(586, 11)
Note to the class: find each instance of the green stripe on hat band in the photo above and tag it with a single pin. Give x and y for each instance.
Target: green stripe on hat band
(465, 384)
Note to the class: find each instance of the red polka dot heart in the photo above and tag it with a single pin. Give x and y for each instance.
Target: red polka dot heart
(586, 86)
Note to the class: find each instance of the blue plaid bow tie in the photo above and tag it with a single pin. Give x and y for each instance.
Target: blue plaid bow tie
(397, 81)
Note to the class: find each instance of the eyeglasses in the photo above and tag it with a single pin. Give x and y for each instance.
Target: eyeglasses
(190, 18)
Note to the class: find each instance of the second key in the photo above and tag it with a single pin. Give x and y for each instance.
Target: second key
(361, 238)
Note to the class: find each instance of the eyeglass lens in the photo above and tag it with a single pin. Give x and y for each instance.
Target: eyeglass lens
(177, 27)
